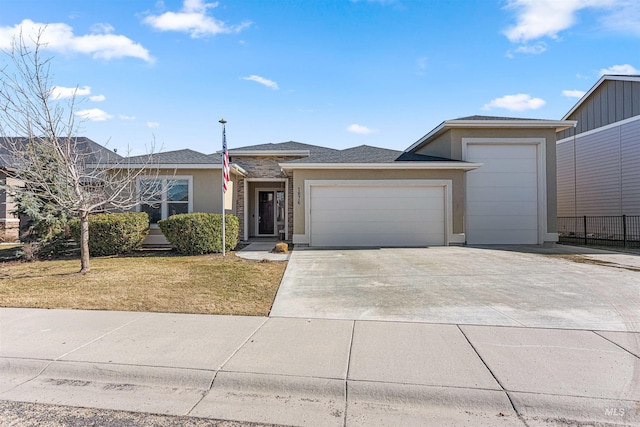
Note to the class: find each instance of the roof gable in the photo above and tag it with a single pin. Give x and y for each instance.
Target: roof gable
(487, 122)
(603, 80)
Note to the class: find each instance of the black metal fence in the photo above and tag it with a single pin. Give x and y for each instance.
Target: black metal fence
(622, 231)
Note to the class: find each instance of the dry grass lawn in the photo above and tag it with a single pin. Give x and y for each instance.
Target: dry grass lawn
(148, 281)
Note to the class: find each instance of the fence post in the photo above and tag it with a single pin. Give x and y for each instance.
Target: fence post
(585, 230)
(624, 230)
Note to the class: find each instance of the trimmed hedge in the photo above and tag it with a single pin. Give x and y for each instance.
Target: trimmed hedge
(200, 233)
(113, 234)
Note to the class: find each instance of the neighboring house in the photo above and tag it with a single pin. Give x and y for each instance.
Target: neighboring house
(477, 180)
(599, 159)
(9, 223)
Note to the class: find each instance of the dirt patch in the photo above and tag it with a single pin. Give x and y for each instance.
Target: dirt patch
(582, 259)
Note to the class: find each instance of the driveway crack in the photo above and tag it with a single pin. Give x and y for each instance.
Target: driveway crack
(520, 416)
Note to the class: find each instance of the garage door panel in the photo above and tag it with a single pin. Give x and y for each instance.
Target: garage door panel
(365, 227)
(502, 195)
(515, 194)
(364, 203)
(377, 215)
(347, 192)
(529, 222)
(502, 180)
(385, 216)
(501, 151)
(510, 166)
(515, 209)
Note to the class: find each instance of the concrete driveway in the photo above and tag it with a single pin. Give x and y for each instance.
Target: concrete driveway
(534, 286)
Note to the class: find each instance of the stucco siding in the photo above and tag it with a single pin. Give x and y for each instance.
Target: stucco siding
(439, 147)
(300, 176)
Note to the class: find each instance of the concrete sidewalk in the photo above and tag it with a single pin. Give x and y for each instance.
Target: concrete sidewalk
(319, 372)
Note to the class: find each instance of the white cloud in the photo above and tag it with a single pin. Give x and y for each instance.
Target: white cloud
(193, 19)
(59, 37)
(94, 115)
(123, 117)
(573, 93)
(535, 49)
(153, 124)
(361, 130)
(625, 69)
(61, 92)
(519, 102)
(546, 18)
(268, 83)
(97, 98)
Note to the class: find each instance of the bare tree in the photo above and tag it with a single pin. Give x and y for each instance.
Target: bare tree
(77, 175)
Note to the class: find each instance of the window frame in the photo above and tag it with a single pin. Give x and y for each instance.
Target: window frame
(164, 203)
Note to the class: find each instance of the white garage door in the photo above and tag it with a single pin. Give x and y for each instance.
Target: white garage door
(377, 216)
(502, 195)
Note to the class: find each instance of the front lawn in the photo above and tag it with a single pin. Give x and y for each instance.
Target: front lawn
(157, 281)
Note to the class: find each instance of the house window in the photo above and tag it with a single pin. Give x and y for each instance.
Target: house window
(163, 197)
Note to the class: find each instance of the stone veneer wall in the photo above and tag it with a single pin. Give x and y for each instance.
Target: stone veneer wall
(9, 231)
(263, 167)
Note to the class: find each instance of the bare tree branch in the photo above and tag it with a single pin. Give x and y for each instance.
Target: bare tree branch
(79, 176)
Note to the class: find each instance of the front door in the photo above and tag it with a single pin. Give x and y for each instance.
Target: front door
(266, 201)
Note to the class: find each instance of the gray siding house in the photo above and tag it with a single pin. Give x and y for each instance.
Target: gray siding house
(598, 160)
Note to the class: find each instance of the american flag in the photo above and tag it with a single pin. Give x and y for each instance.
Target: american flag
(225, 162)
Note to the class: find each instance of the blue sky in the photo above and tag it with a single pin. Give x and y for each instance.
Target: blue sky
(337, 73)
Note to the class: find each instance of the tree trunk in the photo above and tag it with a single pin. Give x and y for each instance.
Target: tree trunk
(84, 242)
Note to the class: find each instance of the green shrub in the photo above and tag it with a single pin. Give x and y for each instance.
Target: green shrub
(200, 233)
(112, 234)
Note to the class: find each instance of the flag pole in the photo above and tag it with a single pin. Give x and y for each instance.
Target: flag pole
(224, 183)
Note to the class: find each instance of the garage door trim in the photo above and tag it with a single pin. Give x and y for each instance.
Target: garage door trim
(446, 184)
(540, 144)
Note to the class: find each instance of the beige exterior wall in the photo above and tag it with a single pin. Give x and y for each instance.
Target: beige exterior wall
(455, 136)
(439, 147)
(207, 189)
(300, 176)
(207, 195)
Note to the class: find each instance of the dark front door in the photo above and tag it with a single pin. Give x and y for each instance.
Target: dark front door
(266, 201)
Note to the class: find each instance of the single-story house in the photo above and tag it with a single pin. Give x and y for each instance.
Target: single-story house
(599, 159)
(475, 180)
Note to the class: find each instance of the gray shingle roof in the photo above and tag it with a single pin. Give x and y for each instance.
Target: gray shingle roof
(366, 154)
(96, 153)
(179, 157)
(285, 146)
(479, 118)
